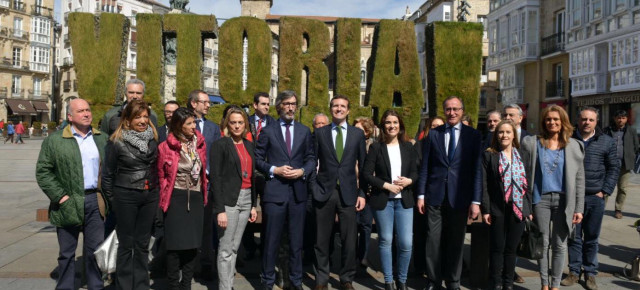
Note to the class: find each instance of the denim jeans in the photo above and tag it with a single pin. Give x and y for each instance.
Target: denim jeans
(550, 218)
(583, 249)
(400, 218)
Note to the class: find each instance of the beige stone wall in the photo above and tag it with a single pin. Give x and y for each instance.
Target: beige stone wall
(257, 8)
(532, 95)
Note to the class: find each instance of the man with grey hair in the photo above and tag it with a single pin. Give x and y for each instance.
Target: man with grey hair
(134, 90)
(493, 118)
(284, 154)
(320, 120)
(601, 169)
(513, 113)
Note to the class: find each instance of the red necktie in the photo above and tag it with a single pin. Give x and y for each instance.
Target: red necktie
(259, 128)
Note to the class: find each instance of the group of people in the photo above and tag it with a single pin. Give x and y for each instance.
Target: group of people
(16, 131)
(201, 182)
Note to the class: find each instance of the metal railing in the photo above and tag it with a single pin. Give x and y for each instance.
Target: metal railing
(555, 89)
(38, 95)
(18, 6)
(39, 10)
(553, 43)
(16, 34)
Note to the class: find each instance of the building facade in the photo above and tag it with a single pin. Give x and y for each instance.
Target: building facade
(26, 33)
(439, 10)
(603, 47)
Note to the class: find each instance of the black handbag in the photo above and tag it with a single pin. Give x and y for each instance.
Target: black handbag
(531, 242)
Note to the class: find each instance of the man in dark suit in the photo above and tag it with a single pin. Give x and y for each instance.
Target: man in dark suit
(284, 154)
(260, 118)
(339, 148)
(513, 113)
(198, 102)
(449, 192)
(163, 131)
(493, 118)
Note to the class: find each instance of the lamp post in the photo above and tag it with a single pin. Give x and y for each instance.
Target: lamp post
(55, 93)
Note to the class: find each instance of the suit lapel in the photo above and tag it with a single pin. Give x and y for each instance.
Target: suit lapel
(280, 137)
(329, 137)
(235, 157)
(298, 137)
(440, 142)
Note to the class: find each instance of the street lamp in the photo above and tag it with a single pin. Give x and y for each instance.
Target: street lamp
(57, 28)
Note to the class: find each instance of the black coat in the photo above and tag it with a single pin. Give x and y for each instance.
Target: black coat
(126, 166)
(601, 164)
(226, 173)
(630, 143)
(377, 171)
(493, 189)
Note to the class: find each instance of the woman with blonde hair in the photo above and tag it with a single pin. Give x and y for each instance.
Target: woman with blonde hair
(234, 198)
(556, 181)
(130, 181)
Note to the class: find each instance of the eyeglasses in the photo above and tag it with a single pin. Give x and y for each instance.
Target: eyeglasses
(291, 104)
(202, 101)
(452, 109)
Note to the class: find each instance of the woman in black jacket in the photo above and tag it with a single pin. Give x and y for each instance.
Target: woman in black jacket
(129, 179)
(390, 168)
(234, 199)
(505, 202)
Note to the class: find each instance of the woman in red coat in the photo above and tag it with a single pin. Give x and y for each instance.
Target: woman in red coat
(182, 161)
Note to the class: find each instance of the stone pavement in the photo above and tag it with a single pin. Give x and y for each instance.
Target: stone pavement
(28, 249)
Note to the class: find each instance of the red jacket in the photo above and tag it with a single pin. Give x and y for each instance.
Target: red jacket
(19, 129)
(168, 158)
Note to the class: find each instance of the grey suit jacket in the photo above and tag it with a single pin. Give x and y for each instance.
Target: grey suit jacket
(573, 174)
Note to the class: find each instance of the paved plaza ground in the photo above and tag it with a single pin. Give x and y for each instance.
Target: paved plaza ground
(28, 249)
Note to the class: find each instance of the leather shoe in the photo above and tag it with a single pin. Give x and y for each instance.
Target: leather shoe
(432, 286)
(401, 286)
(517, 278)
(321, 287)
(346, 286)
(388, 286)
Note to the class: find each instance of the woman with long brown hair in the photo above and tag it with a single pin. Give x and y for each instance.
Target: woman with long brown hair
(390, 168)
(130, 181)
(506, 202)
(557, 184)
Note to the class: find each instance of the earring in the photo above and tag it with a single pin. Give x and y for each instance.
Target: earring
(126, 124)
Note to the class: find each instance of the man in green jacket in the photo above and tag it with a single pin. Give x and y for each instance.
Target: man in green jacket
(68, 173)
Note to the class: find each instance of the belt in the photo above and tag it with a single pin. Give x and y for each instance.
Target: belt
(90, 191)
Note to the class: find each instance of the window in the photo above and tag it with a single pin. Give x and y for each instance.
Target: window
(16, 84)
(363, 77)
(596, 9)
(484, 65)
(39, 59)
(40, 29)
(17, 27)
(576, 12)
(493, 38)
(37, 86)
(618, 5)
(483, 99)
(504, 33)
(17, 56)
(447, 16)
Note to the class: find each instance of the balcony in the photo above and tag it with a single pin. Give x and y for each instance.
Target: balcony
(515, 54)
(67, 62)
(18, 6)
(4, 5)
(11, 64)
(553, 43)
(66, 86)
(38, 95)
(38, 10)
(555, 89)
(17, 92)
(15, 34)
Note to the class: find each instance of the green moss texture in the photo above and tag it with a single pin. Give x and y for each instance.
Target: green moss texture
(258, 35)
(395, 71)
(454, 62)
(189, 30)
(150, 61)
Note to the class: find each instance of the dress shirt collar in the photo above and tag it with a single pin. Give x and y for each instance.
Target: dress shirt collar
(76, 134)
(457, 126)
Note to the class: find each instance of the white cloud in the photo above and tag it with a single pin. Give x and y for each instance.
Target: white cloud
(392, 9)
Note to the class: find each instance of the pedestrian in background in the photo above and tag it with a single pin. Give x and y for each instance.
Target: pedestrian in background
(19, 132)
(130, 180)
(557, 183)
(10, 132)
(183, 195)
(627, 145)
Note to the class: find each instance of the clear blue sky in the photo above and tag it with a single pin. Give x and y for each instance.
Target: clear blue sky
(344, 8)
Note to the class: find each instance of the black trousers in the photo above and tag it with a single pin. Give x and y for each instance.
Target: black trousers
(444, 247)
(505, 232)
(181, 260)
(325, 218)
(135, 210)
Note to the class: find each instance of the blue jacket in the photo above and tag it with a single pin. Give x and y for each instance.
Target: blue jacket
(601, 163)
(10, 130)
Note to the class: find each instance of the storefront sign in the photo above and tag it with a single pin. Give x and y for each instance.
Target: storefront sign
(604, 99)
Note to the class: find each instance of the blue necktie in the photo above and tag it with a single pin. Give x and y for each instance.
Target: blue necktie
(452, 143)
(198, 125)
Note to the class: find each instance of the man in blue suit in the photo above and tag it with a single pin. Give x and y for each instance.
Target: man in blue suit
(449, 192)
(199, 103)
(284, 154)
(260, 118)
(340, 148)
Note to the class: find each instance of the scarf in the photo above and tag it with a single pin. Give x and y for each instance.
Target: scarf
(137, 139)
(514, 180)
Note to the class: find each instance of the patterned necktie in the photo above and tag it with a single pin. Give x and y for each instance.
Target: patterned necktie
(198, 125)
(452, 143)
(287, 138)
(259, 128)
(339, 144)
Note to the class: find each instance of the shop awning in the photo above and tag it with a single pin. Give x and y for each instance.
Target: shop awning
(41, 107)
(21, 107)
